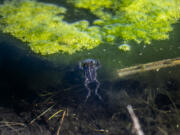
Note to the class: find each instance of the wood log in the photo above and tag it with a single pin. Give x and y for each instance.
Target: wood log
(149, 66)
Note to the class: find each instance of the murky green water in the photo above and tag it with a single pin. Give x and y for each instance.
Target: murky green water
(109, 56)
(24, 73)
(112, 59)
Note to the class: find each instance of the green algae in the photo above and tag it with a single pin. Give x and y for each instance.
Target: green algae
(124, 47)
(137, 20)
(42, 27)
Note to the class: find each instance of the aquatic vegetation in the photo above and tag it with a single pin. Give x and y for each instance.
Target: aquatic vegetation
(42, 27)
(124, 47)
(137, 20)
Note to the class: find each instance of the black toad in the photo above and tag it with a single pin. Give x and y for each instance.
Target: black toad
(90, 66)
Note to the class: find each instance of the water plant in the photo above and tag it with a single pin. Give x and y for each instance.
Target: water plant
(137, 20)
(42, 25)
(124, 47)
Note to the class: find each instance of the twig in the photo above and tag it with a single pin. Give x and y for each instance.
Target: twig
(42, 114)
(13, 123)
(162, 131)
(173, 103)
(99, 130)
(55, 114)
(61, 122)
(136, 125)
(7, 124)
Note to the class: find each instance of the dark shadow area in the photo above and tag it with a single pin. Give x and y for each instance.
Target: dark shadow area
(17, 72)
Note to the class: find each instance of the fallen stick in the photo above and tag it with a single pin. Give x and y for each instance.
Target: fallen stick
(42, 114)
(136, 125)
(12, 123)
(149, 66)
(61, 122)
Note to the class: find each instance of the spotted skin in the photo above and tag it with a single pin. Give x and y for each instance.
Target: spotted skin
(89, 67)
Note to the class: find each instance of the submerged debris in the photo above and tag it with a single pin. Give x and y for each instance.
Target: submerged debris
(157, 65)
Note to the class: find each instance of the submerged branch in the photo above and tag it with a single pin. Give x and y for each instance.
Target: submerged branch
(42, 114)
(61, 122)
(149, 66)
(136, 124)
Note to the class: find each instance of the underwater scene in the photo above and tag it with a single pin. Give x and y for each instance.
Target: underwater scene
(89, 67)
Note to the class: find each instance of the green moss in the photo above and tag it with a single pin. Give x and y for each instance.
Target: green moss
(41, 26)
(138, 20)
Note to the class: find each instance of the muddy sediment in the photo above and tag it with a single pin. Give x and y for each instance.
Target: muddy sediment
(156, 107)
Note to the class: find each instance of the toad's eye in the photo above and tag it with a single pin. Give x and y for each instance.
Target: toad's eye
(91, 63)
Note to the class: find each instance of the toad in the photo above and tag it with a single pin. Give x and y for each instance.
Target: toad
(89, 67)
